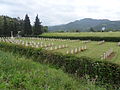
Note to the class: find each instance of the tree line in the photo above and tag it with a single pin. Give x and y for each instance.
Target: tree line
(20, 26)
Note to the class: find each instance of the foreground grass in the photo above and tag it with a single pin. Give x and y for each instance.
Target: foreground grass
(20, 73)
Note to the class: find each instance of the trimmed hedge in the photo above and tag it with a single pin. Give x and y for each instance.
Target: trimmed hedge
(105, 72)
(109, 39)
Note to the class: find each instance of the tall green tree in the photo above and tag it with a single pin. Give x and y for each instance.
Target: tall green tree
(37, 27)
(27, 26)
(92, 30)
(1, 26)
(6, 31)
(45, 28)
(21, 27)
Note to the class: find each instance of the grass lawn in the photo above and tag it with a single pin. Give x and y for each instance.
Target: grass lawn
(84, 34)
(19, 73)
(93, 49)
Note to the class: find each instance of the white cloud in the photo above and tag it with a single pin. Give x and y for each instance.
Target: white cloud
(52, 12)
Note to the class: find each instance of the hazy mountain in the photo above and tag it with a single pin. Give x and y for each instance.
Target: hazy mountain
(86, 24)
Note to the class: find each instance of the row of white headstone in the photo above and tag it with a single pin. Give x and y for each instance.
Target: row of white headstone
(107, 54)
(38, 44)
(74, 40)
(57, 47)
(34, 44)
(118, 43)
(77, 50)
(49, 39)
(86, 41)
(26, 43)
(101, 42)
(45, 39)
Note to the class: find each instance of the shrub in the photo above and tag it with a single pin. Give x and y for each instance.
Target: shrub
(93, 38)
(105, 71)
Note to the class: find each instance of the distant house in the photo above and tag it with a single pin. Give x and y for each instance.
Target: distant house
(103, 29)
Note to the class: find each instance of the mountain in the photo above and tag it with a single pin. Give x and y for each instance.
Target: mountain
(85, 25)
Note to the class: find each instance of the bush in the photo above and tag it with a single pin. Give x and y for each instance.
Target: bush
(16, 73)
(109, 39)
(103, 71)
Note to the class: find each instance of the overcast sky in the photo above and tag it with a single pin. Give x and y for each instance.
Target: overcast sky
(54, 12)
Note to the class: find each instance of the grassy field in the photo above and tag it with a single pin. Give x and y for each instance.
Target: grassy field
(19, 73)
(84, 34)
(93, 49)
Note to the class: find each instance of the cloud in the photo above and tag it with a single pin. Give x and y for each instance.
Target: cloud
(53, 12)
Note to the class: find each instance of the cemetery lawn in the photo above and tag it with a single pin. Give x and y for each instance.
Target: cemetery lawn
(93, 49)
(20, 73)
(83, 34)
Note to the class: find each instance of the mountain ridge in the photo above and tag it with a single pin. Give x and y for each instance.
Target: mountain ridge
(86, 23)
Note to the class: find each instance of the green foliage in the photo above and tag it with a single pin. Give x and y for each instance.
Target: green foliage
(19, 73)
(92, 30)
(95, 36)
(102, 71)
(110, 39)
(5, 27)
(45, 28)
(8, 24)
(37, 27)
(27, 26)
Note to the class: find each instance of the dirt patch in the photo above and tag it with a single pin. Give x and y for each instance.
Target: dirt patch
(111, 56)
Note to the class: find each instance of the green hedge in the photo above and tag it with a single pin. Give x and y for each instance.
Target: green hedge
(109, 39)
(105, 72)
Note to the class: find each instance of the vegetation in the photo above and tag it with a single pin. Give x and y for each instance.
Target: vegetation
(19, 26)
(37, 27)
(100, 71)
(92, 30)
(94, 36)
(84, 34)
(8, 24)
(92, 47)
(16, 75)
(20, 73)
(27, 26)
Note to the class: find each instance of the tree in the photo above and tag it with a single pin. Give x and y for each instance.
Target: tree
(77, 31)
(8, 24)
(45, 28)
(6, 32)
(27, 26)
(37, 27)
(21, 27)
(1, 26)
(92, 30)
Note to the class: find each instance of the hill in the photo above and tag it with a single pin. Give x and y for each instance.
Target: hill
(85, 25)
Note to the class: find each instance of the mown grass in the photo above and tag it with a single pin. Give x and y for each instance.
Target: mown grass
(19, 73)
(94, 50)
(84, 34)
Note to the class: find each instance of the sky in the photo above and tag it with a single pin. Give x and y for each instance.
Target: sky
(55, 12)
